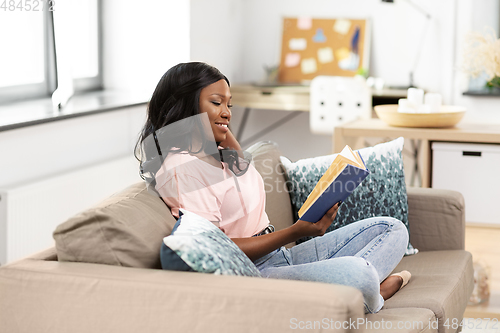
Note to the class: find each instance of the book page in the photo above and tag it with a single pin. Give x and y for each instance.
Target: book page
(353, 157)
(348, 153)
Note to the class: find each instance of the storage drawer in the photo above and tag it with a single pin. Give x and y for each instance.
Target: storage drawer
(471, 169)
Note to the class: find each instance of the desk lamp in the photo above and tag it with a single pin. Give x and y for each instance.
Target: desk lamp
(419, 49)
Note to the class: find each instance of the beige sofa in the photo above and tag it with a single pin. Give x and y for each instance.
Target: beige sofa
(115, 285)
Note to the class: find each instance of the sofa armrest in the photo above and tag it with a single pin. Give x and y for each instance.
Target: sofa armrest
(42, 296)
(436, 218)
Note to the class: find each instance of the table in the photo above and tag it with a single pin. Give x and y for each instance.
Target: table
(291, 98)
(353, 132)
(294, 98)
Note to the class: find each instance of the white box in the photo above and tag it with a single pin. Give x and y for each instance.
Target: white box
(471, 169)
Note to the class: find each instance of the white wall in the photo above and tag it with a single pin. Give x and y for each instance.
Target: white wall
(476, 16)
(216, 37)
(142, 40)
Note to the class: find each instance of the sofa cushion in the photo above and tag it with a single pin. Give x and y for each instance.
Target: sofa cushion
(408, 320)
(441, 281)
(437, 219)
(266, 159)
(125, 229)
(196, 244)
(382, 193)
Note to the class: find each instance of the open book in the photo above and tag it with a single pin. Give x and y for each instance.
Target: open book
(345, 173)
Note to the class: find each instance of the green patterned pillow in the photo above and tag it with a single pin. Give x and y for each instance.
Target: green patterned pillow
(196, 244)
(382, 193)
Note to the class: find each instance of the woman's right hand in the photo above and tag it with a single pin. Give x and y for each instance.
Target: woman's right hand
(305, 228)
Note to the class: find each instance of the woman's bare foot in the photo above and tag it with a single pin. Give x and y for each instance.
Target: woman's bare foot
(389, 286)
(393, 283)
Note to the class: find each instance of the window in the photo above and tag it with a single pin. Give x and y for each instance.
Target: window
(40, 40)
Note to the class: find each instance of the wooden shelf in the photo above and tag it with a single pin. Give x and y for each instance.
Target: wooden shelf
(351, 134)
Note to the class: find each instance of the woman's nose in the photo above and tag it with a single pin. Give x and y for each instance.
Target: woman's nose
(226, 113)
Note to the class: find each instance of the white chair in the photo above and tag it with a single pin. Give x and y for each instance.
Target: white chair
(336, 100)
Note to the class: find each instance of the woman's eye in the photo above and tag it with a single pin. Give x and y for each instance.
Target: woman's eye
(230, 105)
(216, 103)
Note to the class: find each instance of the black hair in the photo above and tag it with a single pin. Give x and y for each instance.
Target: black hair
(177, 97)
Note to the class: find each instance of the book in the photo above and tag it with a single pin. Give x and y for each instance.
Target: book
(341, 178)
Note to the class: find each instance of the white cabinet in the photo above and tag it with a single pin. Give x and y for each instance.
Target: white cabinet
(473, 170)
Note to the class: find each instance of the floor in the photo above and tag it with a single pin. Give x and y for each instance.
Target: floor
(482, 242)
(472, 325)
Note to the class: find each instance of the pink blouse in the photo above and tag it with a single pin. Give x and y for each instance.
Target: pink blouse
(235, 204)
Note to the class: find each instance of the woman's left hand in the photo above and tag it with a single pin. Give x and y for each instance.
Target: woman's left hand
(256, 247)
(318, 228)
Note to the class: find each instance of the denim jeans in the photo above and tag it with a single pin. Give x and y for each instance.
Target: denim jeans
(360, 255)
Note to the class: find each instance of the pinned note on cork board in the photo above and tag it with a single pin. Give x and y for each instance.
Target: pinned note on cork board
(312, 47)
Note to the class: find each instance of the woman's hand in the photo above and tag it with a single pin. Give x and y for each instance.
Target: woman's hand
(256, 247)
(305, 228)
(230, 141)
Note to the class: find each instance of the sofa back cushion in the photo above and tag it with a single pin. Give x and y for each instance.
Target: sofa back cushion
(266, 159)
(125, 229)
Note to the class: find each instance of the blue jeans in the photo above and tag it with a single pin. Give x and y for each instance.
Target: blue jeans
(360, 255)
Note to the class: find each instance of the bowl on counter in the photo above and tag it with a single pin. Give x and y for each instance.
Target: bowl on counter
(448, 116)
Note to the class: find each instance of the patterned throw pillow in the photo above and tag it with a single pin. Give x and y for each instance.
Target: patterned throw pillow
(382, 193)
(196, 244)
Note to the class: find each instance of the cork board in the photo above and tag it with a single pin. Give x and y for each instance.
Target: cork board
(312, 47)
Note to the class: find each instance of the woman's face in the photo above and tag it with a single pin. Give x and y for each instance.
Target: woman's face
(215, 100)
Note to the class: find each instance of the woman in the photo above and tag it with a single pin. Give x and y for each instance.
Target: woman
(201, 168)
